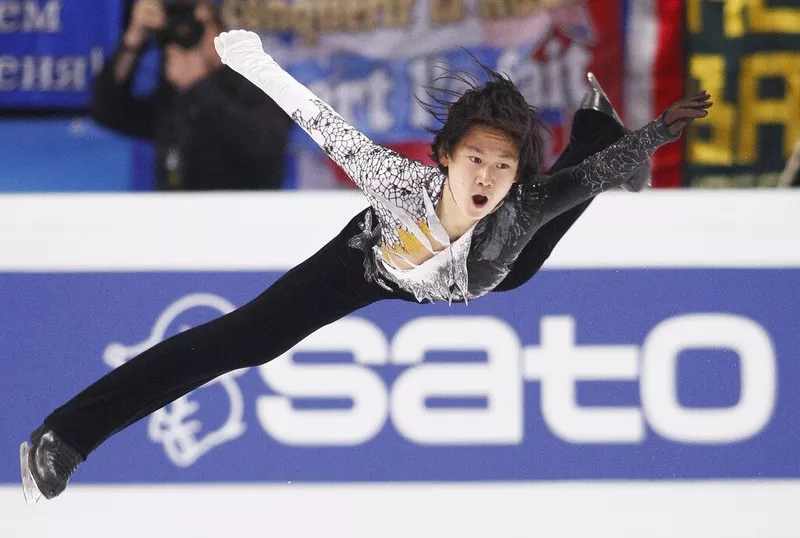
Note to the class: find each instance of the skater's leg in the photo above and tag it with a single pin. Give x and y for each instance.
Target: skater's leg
(322, 289)
(592, 131)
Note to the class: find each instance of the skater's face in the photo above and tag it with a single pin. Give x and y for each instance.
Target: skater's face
(481, 170)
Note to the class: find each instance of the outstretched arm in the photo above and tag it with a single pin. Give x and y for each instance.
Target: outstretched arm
(358, 156)
(614, 165)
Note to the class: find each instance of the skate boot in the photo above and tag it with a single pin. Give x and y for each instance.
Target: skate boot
(596, 99)
(47, 465)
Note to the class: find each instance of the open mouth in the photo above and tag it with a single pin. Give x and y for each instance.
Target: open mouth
(479, 200)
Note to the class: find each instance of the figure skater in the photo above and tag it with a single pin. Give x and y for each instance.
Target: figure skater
(484, 219)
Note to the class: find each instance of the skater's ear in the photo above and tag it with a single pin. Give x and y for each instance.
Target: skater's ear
(444, 157)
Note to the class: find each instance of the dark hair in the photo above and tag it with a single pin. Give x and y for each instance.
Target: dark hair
(496, 103)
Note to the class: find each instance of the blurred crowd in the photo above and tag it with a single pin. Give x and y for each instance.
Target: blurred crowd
(209, 129)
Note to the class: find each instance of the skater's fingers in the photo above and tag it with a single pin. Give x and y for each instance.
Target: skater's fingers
(692, 113)
(681, 118)
(700, 102)
(697, 105)
(682, 107)
(697, 100)
(685, 112)
(677, 127)
(694, 102)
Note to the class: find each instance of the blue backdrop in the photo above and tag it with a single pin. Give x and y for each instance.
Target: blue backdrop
(52, 49)
(56, 329)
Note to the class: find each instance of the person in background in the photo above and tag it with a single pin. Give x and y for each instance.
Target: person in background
(212, 129)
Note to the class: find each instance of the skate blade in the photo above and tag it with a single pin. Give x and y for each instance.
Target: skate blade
(29, 488)
(593, 81)
(596, 85)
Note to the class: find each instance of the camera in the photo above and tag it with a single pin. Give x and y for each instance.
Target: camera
(182, 28)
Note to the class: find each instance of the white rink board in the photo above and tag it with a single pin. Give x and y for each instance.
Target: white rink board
(275, 231)
(740, 509)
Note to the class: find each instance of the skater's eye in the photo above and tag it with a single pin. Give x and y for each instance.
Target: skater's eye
(503, 166)
(475, 160)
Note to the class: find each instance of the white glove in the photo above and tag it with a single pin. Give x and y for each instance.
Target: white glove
(238, 48)
(243, 52)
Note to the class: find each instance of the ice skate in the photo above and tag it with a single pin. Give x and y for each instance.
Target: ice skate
(29, 488)
(46, 466)
(596, 99)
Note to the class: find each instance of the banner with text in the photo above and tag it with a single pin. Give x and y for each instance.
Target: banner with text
(746, 55)
(674, 357)
(51, 49)
(371, 60)
(580, 375)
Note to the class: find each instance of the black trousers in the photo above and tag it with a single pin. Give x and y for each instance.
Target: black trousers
(324, 288)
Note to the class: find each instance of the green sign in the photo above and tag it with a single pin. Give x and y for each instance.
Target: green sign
(746, 53)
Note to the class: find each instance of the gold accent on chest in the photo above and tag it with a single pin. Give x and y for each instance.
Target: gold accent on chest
(410, 248)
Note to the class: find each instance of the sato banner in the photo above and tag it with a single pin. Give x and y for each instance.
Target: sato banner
(665, 353)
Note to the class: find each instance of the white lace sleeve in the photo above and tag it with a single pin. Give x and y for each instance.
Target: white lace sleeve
(370, 166)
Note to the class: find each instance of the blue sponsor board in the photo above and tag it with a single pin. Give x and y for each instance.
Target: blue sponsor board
(581, 374)
(53, 49)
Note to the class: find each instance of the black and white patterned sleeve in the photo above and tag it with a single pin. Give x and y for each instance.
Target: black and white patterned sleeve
(373, 168)
(602, 171)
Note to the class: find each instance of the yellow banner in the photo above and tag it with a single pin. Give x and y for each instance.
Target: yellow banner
(746, 53)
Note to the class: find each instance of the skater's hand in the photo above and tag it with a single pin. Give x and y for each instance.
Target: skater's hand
(678, 115)
(236, 47)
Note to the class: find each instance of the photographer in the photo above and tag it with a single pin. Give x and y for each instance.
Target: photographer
(212, 129)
